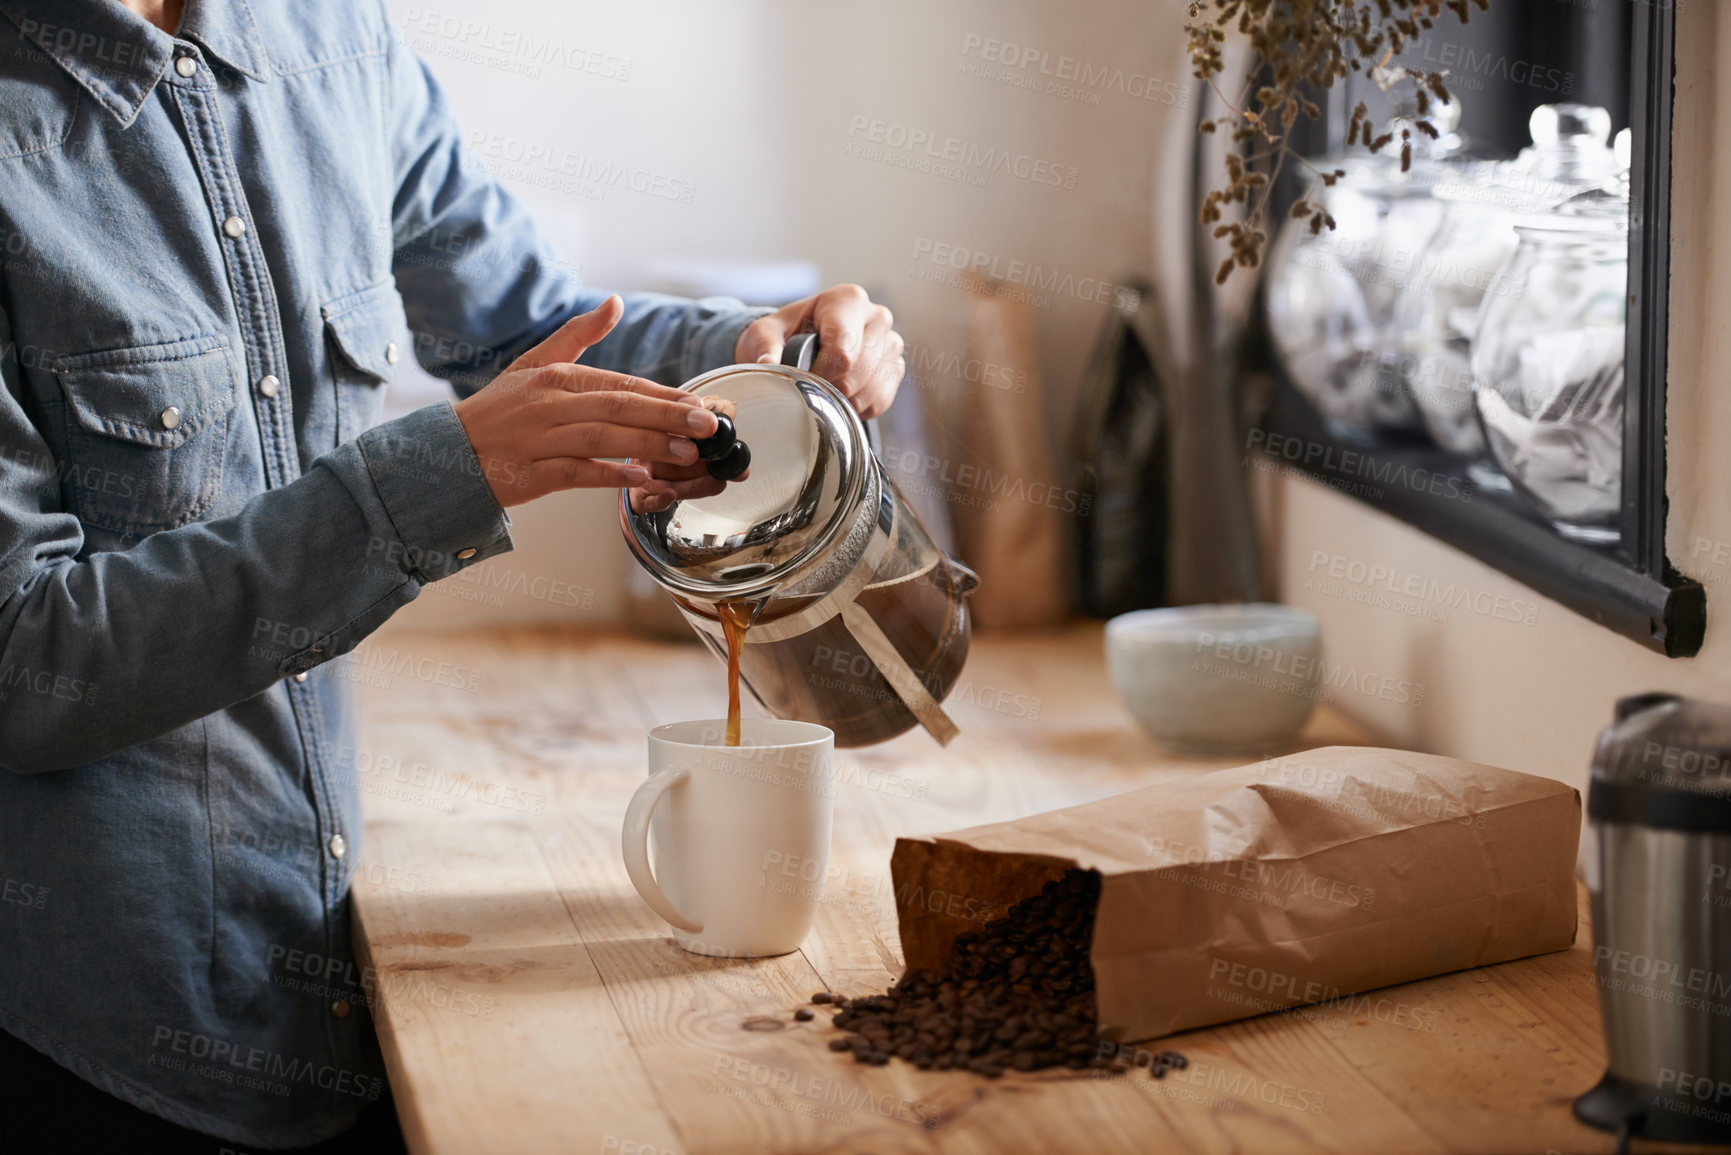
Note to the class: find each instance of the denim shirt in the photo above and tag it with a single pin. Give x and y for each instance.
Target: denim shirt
(215, 250)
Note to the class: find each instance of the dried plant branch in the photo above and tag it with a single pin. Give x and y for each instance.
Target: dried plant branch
(1300, 44)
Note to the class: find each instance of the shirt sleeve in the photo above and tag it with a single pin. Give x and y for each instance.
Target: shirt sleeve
(479, 283)
(102, 651)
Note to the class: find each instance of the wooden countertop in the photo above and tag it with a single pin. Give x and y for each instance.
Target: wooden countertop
(528, 1001)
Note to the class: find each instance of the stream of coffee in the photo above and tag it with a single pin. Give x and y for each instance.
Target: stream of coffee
(735, 620)
(824, 676)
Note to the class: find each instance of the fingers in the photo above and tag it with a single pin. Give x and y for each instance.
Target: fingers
(681, 417)
(579, 333)
(841, 314)
(663, 471)
(859, 351)
(699, 487)
(763, 338)
(657, 496)
(670, 483)
(554, 474)
(882, 364)
(643, 501)
(600, 439)
(725, 406)
(588, 379)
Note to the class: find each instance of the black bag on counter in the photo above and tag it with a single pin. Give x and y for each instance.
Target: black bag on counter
(1123, 519)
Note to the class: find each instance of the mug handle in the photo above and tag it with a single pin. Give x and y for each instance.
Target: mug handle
(634, 842)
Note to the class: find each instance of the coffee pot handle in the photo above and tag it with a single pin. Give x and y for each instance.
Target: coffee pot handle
(634, 842)
(799, 352)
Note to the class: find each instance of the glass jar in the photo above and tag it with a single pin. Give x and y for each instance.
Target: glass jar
(1548, 363)
(1332, 295)
(1439, 306)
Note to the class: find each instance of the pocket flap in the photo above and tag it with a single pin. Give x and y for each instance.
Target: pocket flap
(366, 326)
(150, 394)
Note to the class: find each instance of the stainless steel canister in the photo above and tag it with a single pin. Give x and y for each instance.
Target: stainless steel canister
(1660, 807)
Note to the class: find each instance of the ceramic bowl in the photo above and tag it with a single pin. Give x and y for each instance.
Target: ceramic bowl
(1237, 679)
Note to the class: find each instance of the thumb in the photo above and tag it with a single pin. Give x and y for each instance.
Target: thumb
(762, 340)
(570, 339)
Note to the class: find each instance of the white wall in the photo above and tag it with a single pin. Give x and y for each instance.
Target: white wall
(1533, 697)
(754, 103)
(685, 92)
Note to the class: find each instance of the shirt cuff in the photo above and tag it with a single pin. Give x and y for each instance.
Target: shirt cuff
(716, 344)
(434, 492)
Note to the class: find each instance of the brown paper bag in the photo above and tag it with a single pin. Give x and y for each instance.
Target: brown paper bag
(1296, 880)
(1010, 522)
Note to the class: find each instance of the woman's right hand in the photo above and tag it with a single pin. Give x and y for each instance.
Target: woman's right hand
(545, 424)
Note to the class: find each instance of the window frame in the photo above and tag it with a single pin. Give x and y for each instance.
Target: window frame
(1629, 587)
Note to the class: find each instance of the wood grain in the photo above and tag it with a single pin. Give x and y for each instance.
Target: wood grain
(491, 878)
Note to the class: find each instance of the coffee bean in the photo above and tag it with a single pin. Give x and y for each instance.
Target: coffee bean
(1167, 1061)
(1017, 993)
(838, 1044)
(802, 1015)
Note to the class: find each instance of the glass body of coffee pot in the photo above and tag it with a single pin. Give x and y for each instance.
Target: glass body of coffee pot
(853, 617)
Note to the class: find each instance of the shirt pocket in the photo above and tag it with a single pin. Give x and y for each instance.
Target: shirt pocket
(147, 430)
(362, 333)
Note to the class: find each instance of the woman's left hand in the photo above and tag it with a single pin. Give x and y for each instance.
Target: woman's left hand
(859, 350)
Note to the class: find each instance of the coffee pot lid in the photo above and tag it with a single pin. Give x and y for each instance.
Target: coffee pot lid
(1665, 763)
(808, 464)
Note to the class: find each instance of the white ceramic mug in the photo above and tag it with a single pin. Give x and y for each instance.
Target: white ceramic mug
(741, 833)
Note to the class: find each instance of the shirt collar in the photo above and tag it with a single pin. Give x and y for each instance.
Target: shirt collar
(227, 31)
(117, 56)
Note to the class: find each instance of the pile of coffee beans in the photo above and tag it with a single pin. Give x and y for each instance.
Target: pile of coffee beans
(1018, 995)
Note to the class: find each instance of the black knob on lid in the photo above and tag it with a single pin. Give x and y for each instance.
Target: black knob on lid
(727, 456)
(731, 464)
(715, 446)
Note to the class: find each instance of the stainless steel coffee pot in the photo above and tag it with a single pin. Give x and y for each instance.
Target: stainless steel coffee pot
(857, 620)
(1660, 807)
